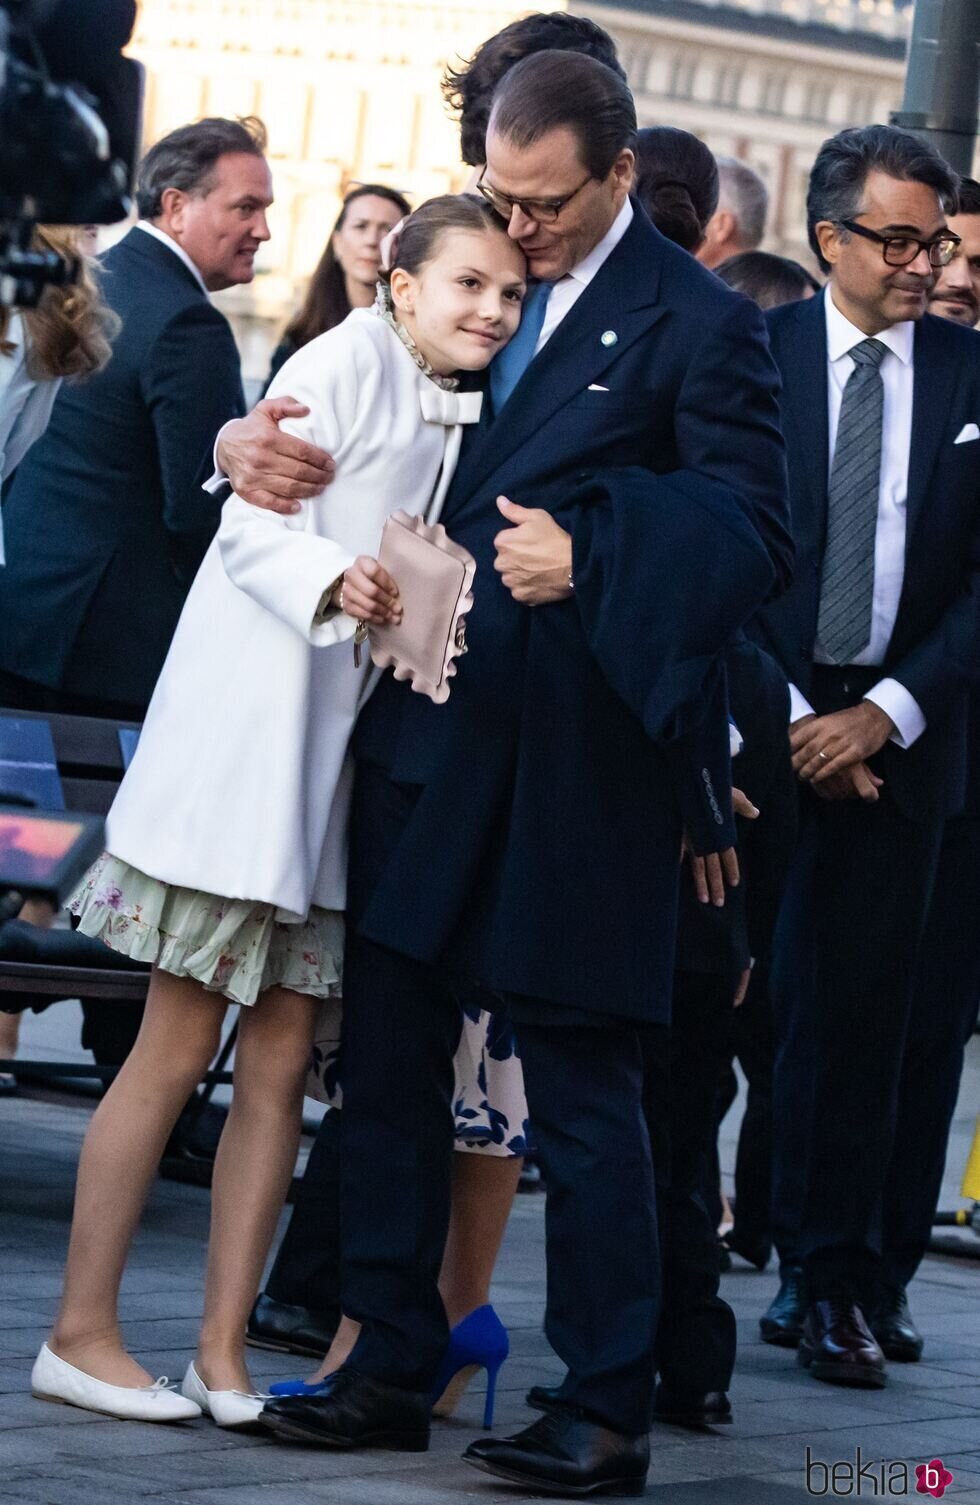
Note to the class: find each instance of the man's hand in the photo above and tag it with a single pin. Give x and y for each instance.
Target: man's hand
(712, 873)
(855, 783)
(270, 468)
(824, 746)
(534, 555)
(368, 593)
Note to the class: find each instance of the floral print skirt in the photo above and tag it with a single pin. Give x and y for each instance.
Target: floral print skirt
(238, 948)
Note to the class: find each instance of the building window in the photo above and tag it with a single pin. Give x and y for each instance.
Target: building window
(817, 101)
(772, 94)
(728, 83)
(682, 73)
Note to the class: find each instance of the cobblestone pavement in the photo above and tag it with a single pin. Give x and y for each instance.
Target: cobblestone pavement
(54, 1455)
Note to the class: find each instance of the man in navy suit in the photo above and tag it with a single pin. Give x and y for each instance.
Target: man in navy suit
(527, 833)
(106, 522)
(878, 637)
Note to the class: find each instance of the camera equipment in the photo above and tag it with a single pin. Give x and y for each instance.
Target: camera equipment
(70, 108)
(44, 855)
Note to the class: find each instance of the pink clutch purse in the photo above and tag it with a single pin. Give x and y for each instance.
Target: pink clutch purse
(434, 578)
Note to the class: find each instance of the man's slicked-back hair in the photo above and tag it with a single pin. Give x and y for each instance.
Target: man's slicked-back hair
(565, 90)
(843, 163)
(469, 89)
(967, 197)
(187, 157)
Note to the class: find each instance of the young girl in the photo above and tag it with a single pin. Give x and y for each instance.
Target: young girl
(226, 850)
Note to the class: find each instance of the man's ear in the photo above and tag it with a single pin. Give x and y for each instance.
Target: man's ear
(829, 237)
(173, 202)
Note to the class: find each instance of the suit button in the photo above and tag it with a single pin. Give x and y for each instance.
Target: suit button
(583, 475)
(805, 655)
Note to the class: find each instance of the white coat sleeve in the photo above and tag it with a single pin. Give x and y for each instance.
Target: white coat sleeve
(280, 561)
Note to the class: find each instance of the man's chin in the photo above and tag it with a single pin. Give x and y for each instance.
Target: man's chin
(958, 313)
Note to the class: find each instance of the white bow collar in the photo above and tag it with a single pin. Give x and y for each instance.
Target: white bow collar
(450, 408)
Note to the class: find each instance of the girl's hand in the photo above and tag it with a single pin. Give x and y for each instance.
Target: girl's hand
(368, 593)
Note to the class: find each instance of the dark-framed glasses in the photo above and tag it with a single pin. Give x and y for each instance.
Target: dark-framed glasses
(900, 250)
(544, 211)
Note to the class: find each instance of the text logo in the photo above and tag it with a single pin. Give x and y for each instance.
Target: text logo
(932, 1479)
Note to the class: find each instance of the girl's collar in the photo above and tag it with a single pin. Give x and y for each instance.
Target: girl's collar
(384, 309)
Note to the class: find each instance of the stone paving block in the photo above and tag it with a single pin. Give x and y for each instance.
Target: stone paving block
(743, 1490)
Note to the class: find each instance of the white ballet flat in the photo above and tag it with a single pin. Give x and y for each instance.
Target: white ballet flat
(54, 1379)
(227, 1408)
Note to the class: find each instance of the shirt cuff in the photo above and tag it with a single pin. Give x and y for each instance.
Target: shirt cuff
(892, 698)
(736, 742)
(798, 704)
(218, 478)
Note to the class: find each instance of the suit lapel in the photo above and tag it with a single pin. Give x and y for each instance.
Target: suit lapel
(803, 364)
(933, 390)
(622, 299)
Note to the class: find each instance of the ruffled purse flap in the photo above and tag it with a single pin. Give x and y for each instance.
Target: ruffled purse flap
(434, 578)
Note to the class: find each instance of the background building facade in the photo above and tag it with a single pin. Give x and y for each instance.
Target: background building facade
(349, 91)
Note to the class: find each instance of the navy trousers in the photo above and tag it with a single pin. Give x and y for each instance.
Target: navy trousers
(584, 1079)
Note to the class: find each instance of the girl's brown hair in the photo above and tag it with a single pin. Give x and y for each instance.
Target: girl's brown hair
(419, 237)
(326, 303)
(71, 330)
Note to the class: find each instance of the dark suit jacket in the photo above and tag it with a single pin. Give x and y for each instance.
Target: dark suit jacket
(542, 854)
(105, 522)
(933, 649)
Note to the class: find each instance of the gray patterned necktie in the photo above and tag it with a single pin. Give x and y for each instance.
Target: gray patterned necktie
(844, 618)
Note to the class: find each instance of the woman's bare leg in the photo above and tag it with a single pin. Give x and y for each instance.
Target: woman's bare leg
(483, 1194)
(484, 1187)
(252, 1170)
(178, 1039)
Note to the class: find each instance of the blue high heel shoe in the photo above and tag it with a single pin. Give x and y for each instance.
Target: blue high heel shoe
(478, 1342)
(297, 1387)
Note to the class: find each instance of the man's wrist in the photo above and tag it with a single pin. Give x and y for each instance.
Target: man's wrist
(880, 724)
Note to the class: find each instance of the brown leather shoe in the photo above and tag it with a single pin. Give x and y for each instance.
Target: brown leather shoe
(837, 1346)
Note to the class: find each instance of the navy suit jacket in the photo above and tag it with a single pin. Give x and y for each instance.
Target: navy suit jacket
(542, 852)
(933, 648)
(105, 521)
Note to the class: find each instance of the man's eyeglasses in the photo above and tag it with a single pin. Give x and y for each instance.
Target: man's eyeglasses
(901, 250)
(544, 211)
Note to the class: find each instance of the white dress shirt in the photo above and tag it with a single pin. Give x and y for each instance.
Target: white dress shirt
(567, 291)
(25, 403)
(564, 295)
(897, 377)
(171, 244)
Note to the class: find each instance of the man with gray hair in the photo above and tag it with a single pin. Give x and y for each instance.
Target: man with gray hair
(106, 522)
(739, 222)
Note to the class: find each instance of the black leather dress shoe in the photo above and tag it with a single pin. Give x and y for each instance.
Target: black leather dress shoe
(711, 1408)
(544, 1397)
(355, 1412)
(563, 1454)
(782, 1324)
(893, 1327)
(290, 1329)
(837, 1346)
(755, 1251)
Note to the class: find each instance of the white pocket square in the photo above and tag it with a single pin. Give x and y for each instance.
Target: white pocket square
(967, 432)
(595, 388)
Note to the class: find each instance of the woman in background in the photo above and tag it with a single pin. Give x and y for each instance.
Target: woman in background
(676, 182)
(68, 334)
(347, 273)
